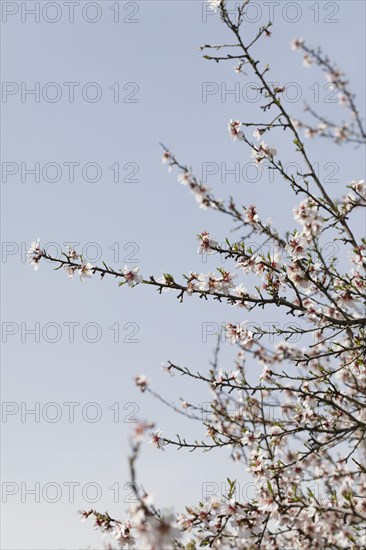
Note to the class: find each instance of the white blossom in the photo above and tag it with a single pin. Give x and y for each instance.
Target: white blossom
(240, 334)
(308, 60)
(206, 243)
(34, 254)
(234, 130)
(262, 152)
(157, 441)
(72, 254)
(296, 44)
(132, 276)
(85, 271)
(141, 382)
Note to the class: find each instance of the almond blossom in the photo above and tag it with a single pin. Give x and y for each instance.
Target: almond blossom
(234, 130)
(240, 334)
(252, 215)
(156, 440)
(296, 44)
(290, 408)
(184, 178)
(207, 244)
(359, 187)
(263, 152)
(132, 276)
(72, 254)
(308, 60)
(85, 271)
(297, 246)
(34, 254)
(70, 270)
(214, 4)
(141, 382)
(258, 133)
(307, 214)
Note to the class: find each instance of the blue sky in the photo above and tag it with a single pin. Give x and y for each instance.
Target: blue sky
(154, 220)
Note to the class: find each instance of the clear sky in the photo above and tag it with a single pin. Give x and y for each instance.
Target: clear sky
(148, 79)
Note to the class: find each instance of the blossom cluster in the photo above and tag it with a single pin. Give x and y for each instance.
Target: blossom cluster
(201, 192)
(293, 415)
(75, 265)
